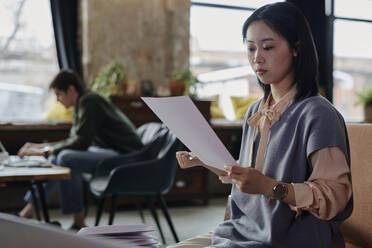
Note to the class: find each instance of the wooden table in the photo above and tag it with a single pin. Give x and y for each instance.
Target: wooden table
(35, 176)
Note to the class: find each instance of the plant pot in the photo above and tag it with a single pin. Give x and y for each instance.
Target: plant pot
(176, 88)
(124, 85)
(368, 113)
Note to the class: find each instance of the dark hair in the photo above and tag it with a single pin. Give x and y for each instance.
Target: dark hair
(288, 21)
(66, 78)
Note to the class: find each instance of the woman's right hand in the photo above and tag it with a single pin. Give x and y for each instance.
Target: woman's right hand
(187, 160)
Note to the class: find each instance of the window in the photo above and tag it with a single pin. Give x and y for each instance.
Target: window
(218, 55)
(359, 9)
(352, 55)
(28, 59)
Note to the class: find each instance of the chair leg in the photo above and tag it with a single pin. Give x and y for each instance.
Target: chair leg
(113, 209)
(139, 208)
(44, 206)
(150, 202)
(99, 210)
(85, 198)
(168, 218)
(35, 201)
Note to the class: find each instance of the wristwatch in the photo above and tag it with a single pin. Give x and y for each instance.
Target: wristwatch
(280, 191)
(46, 151)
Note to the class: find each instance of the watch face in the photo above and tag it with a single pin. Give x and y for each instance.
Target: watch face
(280, 191)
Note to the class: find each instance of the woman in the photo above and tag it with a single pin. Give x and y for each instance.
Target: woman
(293, 187)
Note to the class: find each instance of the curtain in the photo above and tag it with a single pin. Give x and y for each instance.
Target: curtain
(65, 24)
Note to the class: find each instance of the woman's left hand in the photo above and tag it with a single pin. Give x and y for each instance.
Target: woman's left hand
(250, 181)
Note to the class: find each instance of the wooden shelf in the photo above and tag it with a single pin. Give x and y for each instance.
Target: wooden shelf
(138, 112)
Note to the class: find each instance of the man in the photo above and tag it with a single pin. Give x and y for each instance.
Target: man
(99, 131)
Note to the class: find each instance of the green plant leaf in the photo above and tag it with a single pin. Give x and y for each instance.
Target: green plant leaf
(183, 75)
(108, 77)
(365, 97)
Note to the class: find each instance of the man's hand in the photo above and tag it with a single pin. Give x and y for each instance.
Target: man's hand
(251, 181)
(32, 149)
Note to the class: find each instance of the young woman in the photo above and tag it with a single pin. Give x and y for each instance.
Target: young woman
(293, 187)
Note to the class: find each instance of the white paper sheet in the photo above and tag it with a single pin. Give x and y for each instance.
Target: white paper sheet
(184, 119)
(116, 229)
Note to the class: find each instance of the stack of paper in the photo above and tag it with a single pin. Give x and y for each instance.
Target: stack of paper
(137, 235)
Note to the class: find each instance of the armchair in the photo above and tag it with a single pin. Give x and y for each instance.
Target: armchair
(152, 140)
(150, 179)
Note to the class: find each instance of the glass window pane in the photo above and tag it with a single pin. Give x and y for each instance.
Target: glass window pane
(218, 55)
(215, 29)
(28, 59)
(360, 9)
(352, 65)
(241, 3)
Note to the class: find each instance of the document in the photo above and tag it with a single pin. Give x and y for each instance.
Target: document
(184, 119)
(20, 232)
(137, 235)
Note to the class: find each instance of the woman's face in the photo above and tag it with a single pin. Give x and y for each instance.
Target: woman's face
(270, 55)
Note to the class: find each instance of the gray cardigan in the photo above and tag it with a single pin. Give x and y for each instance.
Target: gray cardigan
(305, 126)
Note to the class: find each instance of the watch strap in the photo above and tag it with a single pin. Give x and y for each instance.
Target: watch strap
(280, 191)
(46, 151)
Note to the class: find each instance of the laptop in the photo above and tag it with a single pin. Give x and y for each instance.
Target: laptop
(27, 161)
(15, 161)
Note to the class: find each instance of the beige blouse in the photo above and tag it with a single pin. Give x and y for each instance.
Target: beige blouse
(328, 189)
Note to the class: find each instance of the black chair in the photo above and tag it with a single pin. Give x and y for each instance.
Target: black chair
(150, 179)
(150, 137)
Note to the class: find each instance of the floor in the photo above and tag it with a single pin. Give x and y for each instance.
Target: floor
(189, 221)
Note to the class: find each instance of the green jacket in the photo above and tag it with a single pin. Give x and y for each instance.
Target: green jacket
(98, 122)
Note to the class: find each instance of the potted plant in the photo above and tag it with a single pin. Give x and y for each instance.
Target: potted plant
(181, 81)
(111, 80)
(365, 99)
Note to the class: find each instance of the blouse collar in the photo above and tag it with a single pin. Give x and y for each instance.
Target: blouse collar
(273, 112)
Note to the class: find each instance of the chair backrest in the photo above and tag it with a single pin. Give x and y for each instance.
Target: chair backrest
(148, 177)
(152, 138)
(147, 131)
(357, 229)
(167, 156)
(151, 134)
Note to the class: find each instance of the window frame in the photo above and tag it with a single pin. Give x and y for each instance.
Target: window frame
(330, 4)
